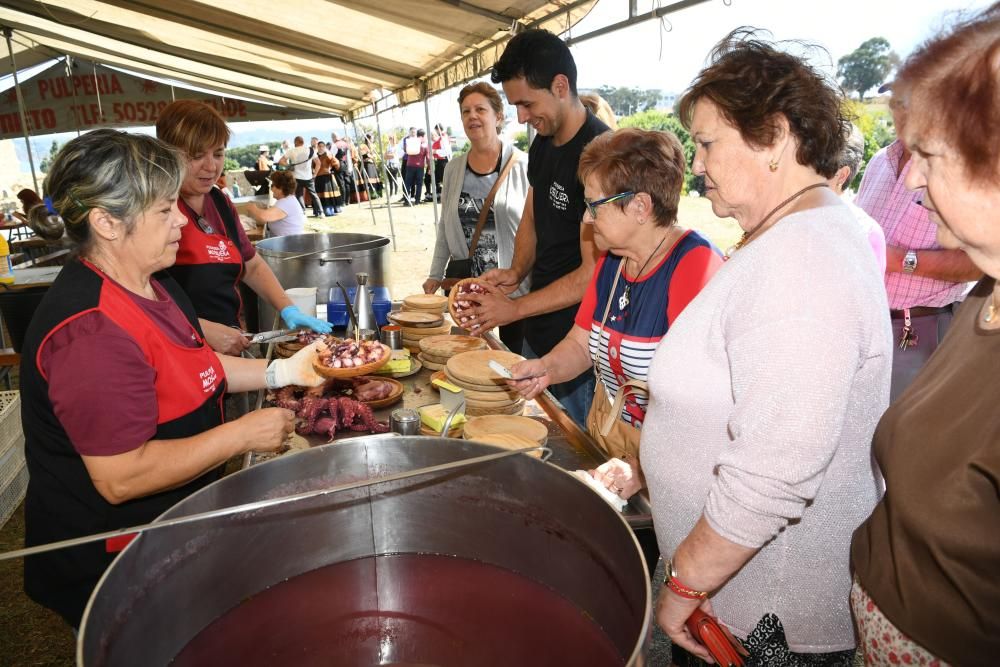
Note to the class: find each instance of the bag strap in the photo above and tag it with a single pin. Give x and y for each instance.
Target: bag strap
(488, 203)
(634, 385)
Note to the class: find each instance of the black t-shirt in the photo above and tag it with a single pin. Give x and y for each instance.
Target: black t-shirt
(558, 209)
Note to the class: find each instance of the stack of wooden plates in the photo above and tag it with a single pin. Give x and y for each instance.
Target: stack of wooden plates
(435, 351)
(416, 325)
(509, 432)
(486, 393)
(428, 303)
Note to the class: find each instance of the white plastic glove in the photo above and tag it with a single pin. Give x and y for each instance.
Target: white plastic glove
(297, 369)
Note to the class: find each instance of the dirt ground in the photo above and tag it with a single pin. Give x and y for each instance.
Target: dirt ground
(32, 636)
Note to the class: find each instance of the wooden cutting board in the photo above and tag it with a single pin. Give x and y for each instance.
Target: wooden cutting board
(447, 346)
(427, 302)
(508, 442)
(433, 358)
(474, 367)
(416, 319)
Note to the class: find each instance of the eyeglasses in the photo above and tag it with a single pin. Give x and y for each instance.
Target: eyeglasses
(592, 205)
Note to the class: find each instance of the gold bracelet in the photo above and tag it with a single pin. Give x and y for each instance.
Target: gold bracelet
(671, 582)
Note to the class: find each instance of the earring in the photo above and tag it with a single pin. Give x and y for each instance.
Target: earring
(114, 236)
(773, 165)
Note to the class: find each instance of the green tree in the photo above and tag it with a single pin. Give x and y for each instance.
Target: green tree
(628, 101)
(877, 128)
(521, 141)
(866, 66)
(46, 162)
(666, 122)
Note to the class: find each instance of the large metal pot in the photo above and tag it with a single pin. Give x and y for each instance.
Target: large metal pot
(517, 513)
(348, 255)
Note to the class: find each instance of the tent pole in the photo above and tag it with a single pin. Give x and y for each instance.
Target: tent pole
(20, 105)
(430, 161)
(69, 82)
(359, 170)
(385, 178)
(97, 89)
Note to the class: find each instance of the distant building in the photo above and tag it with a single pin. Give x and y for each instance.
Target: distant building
(667, 102)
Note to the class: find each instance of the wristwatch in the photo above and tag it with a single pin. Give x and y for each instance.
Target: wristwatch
(910, 261)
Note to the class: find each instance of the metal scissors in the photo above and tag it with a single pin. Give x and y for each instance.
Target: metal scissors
(276, 336)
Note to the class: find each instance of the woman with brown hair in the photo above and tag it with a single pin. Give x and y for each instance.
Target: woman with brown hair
(765, 392)
(926, 589)
(286, 216)
(215, 255)
(467, 182)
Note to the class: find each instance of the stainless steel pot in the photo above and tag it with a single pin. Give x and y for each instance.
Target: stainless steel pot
(346, 255)
(517, 513)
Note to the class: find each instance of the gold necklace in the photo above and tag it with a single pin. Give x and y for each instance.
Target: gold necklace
(746, 235)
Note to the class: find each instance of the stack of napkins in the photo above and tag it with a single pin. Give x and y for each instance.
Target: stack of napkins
(614, 500)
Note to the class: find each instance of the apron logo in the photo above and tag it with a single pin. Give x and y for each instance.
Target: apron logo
(208, 379)
(219, 253)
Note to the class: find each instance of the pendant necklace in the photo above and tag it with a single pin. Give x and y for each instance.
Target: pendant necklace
(748, 234)
(623, 300)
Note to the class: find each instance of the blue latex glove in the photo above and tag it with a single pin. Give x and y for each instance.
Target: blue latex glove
(296, 319)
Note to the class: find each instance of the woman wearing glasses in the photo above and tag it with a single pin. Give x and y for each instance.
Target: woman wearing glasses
(215, 255)
(651, 269)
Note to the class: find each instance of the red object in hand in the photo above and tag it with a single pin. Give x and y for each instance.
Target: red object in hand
(720, 642)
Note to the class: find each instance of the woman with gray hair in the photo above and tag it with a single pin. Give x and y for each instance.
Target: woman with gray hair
(121, 394)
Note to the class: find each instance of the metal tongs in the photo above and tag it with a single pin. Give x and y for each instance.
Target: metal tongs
(350, 311)
(275, 336)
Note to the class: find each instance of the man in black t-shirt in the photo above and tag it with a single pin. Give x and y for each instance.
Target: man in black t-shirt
(538, 75)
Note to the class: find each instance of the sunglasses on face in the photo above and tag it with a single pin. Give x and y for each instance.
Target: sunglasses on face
(592, 205)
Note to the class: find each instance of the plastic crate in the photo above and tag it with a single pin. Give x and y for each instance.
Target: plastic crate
(11, 460)
(12, 494)
(10, 420)
(336, 311)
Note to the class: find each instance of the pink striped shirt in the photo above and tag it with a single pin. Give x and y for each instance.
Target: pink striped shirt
(906, 225)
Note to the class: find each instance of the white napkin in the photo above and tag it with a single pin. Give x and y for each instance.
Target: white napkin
(614, 500)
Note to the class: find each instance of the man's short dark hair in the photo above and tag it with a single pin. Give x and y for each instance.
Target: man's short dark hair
(538, 56)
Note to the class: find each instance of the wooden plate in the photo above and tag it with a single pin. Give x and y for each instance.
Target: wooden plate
(426, 332)
(483, 392)
(447, 346)
(507, 441)
(354, 371)
(455, 432)
(473, 367)
(416, 319)
(394, 397)
(453, 298)
(427, 302)
(522, 427)
(415, 366)
(434, 359)
(437, 375)
(513, 409)
(430, 364)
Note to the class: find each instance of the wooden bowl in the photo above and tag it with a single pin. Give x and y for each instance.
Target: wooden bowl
(394, 397)
(354, 371)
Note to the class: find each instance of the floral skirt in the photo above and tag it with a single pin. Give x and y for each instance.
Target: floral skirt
(882, 642)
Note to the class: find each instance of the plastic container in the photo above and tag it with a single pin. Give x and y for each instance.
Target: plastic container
(304, 298)
(336, 312)
(6, 268)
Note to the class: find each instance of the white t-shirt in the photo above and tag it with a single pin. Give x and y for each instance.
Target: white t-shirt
(301, 158)
(294, 220)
